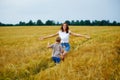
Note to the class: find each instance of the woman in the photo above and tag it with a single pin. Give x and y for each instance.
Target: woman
(64, 35)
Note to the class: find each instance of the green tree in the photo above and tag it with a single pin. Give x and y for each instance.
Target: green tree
(30, 23)
(50, 22)
(81, 22)
(87, 22)
(95, 23)
(58, 23)
(68, 22)
(114, 23)
(72, 22)
(39, 23)
(22, 23)
(1, 24)
(77, 22)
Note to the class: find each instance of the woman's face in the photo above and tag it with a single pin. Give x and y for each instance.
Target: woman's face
(64, 27)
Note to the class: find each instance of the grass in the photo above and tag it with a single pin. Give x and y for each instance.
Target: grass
(24, 57)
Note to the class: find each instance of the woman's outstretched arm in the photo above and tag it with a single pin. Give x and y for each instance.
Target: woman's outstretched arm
(79, 35)
(49, 36)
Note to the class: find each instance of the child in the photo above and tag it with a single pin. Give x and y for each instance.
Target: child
(57, 50)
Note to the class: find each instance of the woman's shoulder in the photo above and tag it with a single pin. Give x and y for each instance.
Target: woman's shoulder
(69, 31)
(59, 31)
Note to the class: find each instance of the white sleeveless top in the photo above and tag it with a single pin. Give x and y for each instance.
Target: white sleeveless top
(64, 36)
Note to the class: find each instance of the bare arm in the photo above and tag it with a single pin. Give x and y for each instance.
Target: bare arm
(49, 36)
(79, 35)
(62, 51)
(48, 46)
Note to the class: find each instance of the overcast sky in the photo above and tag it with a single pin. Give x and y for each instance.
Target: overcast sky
(13, 11)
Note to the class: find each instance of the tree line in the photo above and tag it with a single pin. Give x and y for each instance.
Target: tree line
(72, 22)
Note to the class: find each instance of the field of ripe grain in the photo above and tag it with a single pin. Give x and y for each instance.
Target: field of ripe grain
(24, 57)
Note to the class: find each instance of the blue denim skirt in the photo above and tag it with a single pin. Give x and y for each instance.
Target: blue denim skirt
(66, 46)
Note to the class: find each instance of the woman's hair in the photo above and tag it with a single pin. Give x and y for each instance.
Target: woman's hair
(67, 27)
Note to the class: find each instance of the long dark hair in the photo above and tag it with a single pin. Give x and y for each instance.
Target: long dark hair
(67, 27)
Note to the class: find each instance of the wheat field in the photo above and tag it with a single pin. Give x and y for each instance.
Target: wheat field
(24, 57)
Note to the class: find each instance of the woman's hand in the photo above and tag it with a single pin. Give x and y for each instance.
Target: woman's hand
(41, 38)
(49, 36)
(86, 36)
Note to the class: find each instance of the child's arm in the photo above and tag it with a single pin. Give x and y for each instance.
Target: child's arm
(49, 46)
(62, 51)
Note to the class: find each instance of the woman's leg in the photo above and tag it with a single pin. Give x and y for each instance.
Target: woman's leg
(66, 50)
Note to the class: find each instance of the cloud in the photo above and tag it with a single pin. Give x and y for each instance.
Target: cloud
(12, 11)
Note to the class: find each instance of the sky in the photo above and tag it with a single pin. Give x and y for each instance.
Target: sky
(13, 11)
